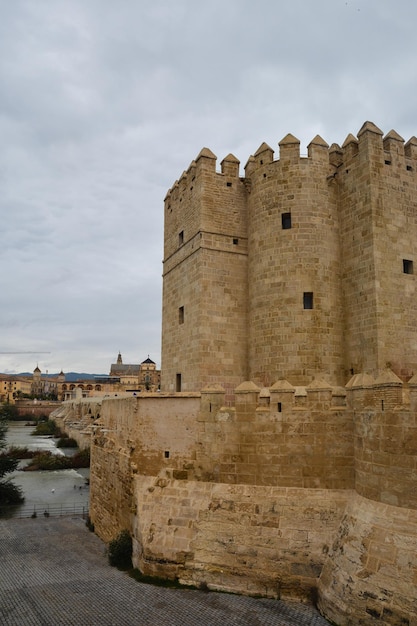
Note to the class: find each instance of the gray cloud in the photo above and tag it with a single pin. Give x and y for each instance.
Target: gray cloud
(103, 105)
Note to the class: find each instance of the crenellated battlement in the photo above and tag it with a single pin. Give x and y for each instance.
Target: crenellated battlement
(384, 391)
(385, 149)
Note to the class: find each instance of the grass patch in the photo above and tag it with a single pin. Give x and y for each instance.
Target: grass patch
(45, 460)
(19, 453)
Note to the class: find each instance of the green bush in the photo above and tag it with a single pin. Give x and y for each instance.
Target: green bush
(9, 412)
(47, 428)
(15, 452)
(120, 551)
(81, 458)
(9, 492)
(45, 460)
(66, 442)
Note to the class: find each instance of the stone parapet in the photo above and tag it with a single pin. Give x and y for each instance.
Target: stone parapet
(220, 493)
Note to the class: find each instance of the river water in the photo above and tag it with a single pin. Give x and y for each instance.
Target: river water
(52, 491)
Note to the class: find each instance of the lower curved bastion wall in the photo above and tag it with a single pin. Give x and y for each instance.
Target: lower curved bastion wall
(370, 574)
(268, 541)
(187, 477)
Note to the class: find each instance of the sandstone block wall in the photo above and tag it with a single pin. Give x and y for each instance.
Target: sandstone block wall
(385, 439)
(304, 267)
(138, 435)
(76, 418)
(261, 497)
(285, 339)
(378, 219)
(300, 437)
(37, 409)
(205, 275)
(270, 541)
(189, 343)
(370, 574)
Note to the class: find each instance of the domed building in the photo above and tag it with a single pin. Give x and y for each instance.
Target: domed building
(136, 377)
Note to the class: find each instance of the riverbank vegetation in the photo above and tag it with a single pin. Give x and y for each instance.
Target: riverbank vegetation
(45, 460)
(10, 412)
(16, 452)
(66, 442)
(9, 492)
(46, 427)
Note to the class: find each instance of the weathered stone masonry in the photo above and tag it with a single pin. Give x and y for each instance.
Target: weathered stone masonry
(287, 464)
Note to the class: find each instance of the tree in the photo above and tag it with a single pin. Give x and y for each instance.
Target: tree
(8, 412)
(9, 492)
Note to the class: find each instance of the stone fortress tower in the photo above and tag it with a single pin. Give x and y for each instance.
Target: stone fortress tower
(280, 456)
(302, 268)
(289, 303)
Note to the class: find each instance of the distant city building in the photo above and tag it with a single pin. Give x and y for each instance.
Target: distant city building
(47, 386)
(13, 387)
(143, 376)
(135, 378)
(123, 377)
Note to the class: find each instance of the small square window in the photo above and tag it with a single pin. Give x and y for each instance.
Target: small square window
(286, 220)
(181, 315)
(181, 238)
(228, 184)
(407, 266)
(166, 454)
(235, 241)
(308, 299)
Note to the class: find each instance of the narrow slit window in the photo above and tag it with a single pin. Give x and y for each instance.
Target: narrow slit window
(308, 299)
(181, 238)
(279, 407)
(286, 221)
(166, 454)
(407, 266)
(178, 382)
(235, 241)
(181, 315)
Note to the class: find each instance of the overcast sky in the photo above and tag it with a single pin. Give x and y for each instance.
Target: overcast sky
(104, 104)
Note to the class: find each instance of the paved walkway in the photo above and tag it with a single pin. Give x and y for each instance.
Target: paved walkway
(54, 572)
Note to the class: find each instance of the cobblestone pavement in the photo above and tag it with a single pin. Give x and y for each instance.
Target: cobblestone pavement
(55, 572)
